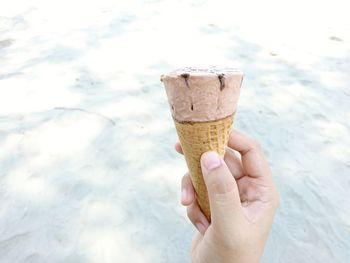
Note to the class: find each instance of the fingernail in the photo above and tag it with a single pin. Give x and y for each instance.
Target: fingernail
(200, 227)
(211, 160)
(183, 195)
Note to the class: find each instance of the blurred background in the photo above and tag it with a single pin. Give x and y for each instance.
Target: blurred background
(87, 167)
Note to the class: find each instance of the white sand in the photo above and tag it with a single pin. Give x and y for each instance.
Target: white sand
(87, 167)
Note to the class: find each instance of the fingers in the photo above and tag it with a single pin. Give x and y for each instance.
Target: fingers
(223, 193)
(187, 190)
(194, 213)
(233, 163)
(253, 159)
(197, 217)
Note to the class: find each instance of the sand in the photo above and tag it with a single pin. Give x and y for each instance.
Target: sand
(87, 167)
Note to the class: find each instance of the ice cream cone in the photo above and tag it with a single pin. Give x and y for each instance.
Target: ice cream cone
(203, 103)
(197, 138)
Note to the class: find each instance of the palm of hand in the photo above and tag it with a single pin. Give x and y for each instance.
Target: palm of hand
(244, 219)
(255, 191)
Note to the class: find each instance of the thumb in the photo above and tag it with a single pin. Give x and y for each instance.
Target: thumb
(225, 203)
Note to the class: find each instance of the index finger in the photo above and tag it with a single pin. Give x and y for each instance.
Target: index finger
(253, 159)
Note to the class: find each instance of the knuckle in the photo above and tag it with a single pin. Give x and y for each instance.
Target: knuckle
(255, 144)
(218, 184)
(218, 187)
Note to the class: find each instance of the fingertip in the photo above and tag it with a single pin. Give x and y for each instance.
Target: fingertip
(234, 163)
(210, 160)
(197, 218)
(186, 198)
(178, 148)
(242, 143)
(183, 196)
(187, 191)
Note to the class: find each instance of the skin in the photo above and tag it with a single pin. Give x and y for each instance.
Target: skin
(243, 200)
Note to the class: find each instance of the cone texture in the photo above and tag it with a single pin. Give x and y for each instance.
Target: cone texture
(197, 138)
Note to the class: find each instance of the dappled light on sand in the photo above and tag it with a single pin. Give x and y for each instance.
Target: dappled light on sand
(88, 172)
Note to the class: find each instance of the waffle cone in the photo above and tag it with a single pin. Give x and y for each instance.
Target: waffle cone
(197, 138)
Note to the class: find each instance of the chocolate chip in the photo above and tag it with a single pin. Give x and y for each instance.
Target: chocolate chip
(222, 80)
(186, 76)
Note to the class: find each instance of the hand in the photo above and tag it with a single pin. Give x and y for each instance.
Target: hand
(243, 201)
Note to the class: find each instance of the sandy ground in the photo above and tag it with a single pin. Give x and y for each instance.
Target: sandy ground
(87, 167)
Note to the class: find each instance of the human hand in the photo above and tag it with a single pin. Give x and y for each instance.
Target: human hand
(243, 201)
